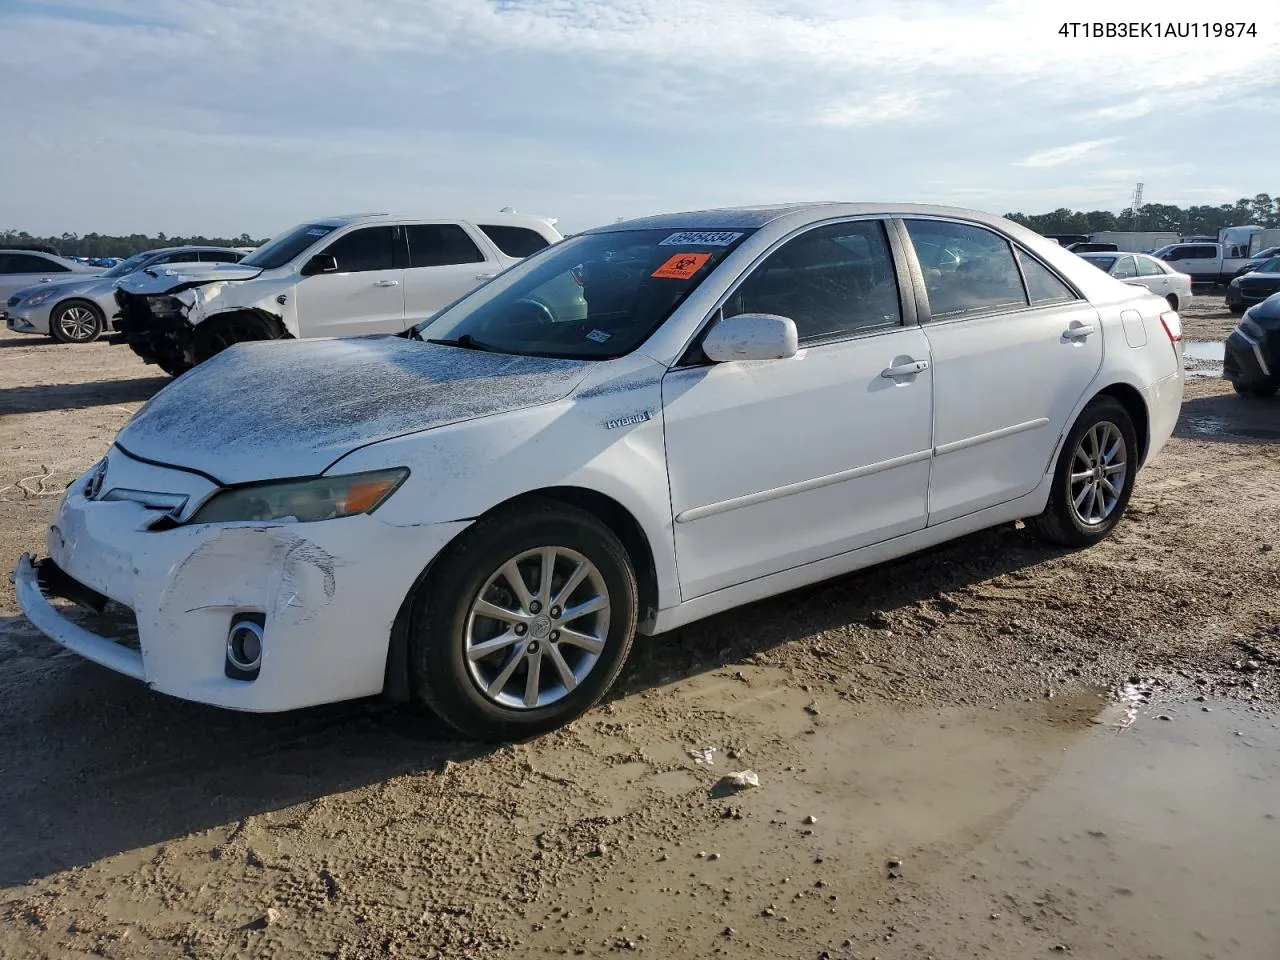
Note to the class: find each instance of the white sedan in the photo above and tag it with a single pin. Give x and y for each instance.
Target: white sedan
(1144, 270)
(480, 516)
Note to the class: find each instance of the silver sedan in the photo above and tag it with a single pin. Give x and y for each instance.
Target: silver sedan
(1143, 270)
(78, 308)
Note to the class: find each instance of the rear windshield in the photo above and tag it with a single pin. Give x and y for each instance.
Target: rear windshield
(287, 246)
(595, 296)
(1102, 263)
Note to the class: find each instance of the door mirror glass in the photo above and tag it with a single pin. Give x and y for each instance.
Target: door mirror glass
(320, 263)
(751, 336)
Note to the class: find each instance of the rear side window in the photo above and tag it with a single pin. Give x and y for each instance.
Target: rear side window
(1042, 285)
(181, 256)
(967, 270)
(1148, 267)
(515, 241)
(1124, 269)
(219, 256)
(833, 281)
(440, 244)
(370, 248)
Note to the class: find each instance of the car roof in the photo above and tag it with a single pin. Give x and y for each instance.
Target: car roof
(746, 218)
(188, 246)
(496, 219)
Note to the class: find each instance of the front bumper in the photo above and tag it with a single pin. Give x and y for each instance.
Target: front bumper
(22, 319)
(1251, 362)
(151, 337)
(329, 592)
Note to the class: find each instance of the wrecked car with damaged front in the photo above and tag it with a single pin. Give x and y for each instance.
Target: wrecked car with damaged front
(635, 428)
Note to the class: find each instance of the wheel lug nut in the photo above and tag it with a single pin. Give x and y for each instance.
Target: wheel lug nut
(535, 607)
(555, 611)
(532, 648)
(555, 635)
(520, 629)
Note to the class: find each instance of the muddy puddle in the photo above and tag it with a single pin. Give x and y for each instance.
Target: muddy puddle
(1202, 358)
(1038, 829)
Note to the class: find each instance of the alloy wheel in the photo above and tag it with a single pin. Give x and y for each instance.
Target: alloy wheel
(77, 323)
(1098, 471)
(537, 627)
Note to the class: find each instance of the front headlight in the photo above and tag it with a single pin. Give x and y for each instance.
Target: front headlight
(166, 306)
(44, 296)
(302, 501)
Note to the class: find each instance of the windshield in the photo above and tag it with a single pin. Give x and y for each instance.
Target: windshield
(126, 267)
(287, 246)
(1102, 263)
(1270, 266)
(596, 296)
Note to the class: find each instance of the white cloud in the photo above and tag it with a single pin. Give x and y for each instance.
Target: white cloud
(1125, 110)
(1057, 156)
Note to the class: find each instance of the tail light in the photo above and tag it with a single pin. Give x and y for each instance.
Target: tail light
(1172, 324)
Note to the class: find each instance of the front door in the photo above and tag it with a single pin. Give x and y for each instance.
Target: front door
(778, 463)
(364, 295)
(1013, 351)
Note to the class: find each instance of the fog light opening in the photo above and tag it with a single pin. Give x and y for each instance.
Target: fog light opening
(244, 649)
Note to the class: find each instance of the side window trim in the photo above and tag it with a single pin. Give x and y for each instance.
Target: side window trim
(906, 303)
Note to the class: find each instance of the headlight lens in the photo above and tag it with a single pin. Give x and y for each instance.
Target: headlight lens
(324, 498)
(44, 296)
(165, 306)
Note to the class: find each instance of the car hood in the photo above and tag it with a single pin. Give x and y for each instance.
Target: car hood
(262, 411)
(72, 284)
(179, 276)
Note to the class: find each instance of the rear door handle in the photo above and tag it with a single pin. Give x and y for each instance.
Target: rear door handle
(386, 283)
(1078, 331)
(908, 369)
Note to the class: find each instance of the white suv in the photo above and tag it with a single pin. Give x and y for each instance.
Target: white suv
(341, 276)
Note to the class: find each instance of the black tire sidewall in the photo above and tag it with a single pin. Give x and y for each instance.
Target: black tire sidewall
(55, 321)
(1099, 409)
(203, 347)
(437, 663)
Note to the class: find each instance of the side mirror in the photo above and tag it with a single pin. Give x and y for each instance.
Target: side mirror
(751, 336)
(320, 263)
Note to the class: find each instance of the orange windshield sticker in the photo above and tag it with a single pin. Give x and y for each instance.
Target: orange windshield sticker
(682, 266)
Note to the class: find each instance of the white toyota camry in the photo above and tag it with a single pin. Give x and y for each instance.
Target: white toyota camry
(481, 516)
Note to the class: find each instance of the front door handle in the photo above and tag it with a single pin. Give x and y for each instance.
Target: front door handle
(484, 276)
(1078, 330)
(908, 369)
(387, 283)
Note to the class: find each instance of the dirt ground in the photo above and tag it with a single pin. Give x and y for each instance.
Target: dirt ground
(959, 754)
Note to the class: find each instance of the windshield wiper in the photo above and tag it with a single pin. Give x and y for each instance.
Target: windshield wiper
(466, 342)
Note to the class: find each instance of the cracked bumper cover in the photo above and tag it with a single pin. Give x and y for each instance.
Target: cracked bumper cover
(329, 590)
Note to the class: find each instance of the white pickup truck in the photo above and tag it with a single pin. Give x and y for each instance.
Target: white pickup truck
(1213, 263)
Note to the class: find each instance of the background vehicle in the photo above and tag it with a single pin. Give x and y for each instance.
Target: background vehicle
(757, 399)
(79, 309)
(1141, 240)
(1142, 270)
(1251, 355)
(1257, 260)
(1088, 246)
(336, 277)
(22, 268)
(1254, 287)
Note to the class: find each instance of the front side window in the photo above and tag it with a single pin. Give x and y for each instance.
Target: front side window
(1043, 286)
(833, 281)
(1124, 269)
(967, 270)
(440, 245)
(518, 242)
(219, 256)
(594, 297)
(369, 248)
(285, 247)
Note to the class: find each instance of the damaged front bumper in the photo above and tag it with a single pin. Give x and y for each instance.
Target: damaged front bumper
(326, 593)
(166, 339)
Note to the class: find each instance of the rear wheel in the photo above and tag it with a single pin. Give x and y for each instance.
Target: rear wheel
(76, 321)
(215, 335)
(1093, 479)
(1235, 311)
(1256, 392)
(525, 622)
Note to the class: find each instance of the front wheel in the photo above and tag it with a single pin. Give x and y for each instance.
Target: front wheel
(76, 322)
(1093, 479)
(1235, 310)
(1255, 392)
(216, 334)
(525, 622)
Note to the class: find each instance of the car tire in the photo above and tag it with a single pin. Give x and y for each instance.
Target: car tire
(215, 335)
(1172, 301)
(174, 368)
(1235, 311)
(488, 697)
(1074, 517)
(76, 321)
(1254, 392)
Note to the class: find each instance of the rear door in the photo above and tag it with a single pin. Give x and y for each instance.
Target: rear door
(1201, 260)
(1152, 277)
(1013, 347)
(364, 295)
(445, 261)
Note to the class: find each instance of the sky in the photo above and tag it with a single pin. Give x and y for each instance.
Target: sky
(227, 116)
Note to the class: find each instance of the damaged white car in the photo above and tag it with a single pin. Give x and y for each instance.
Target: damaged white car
(336, 277)
(480, 516)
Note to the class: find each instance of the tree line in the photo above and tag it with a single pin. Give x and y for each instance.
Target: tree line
(94, 245)
(1262, 211)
